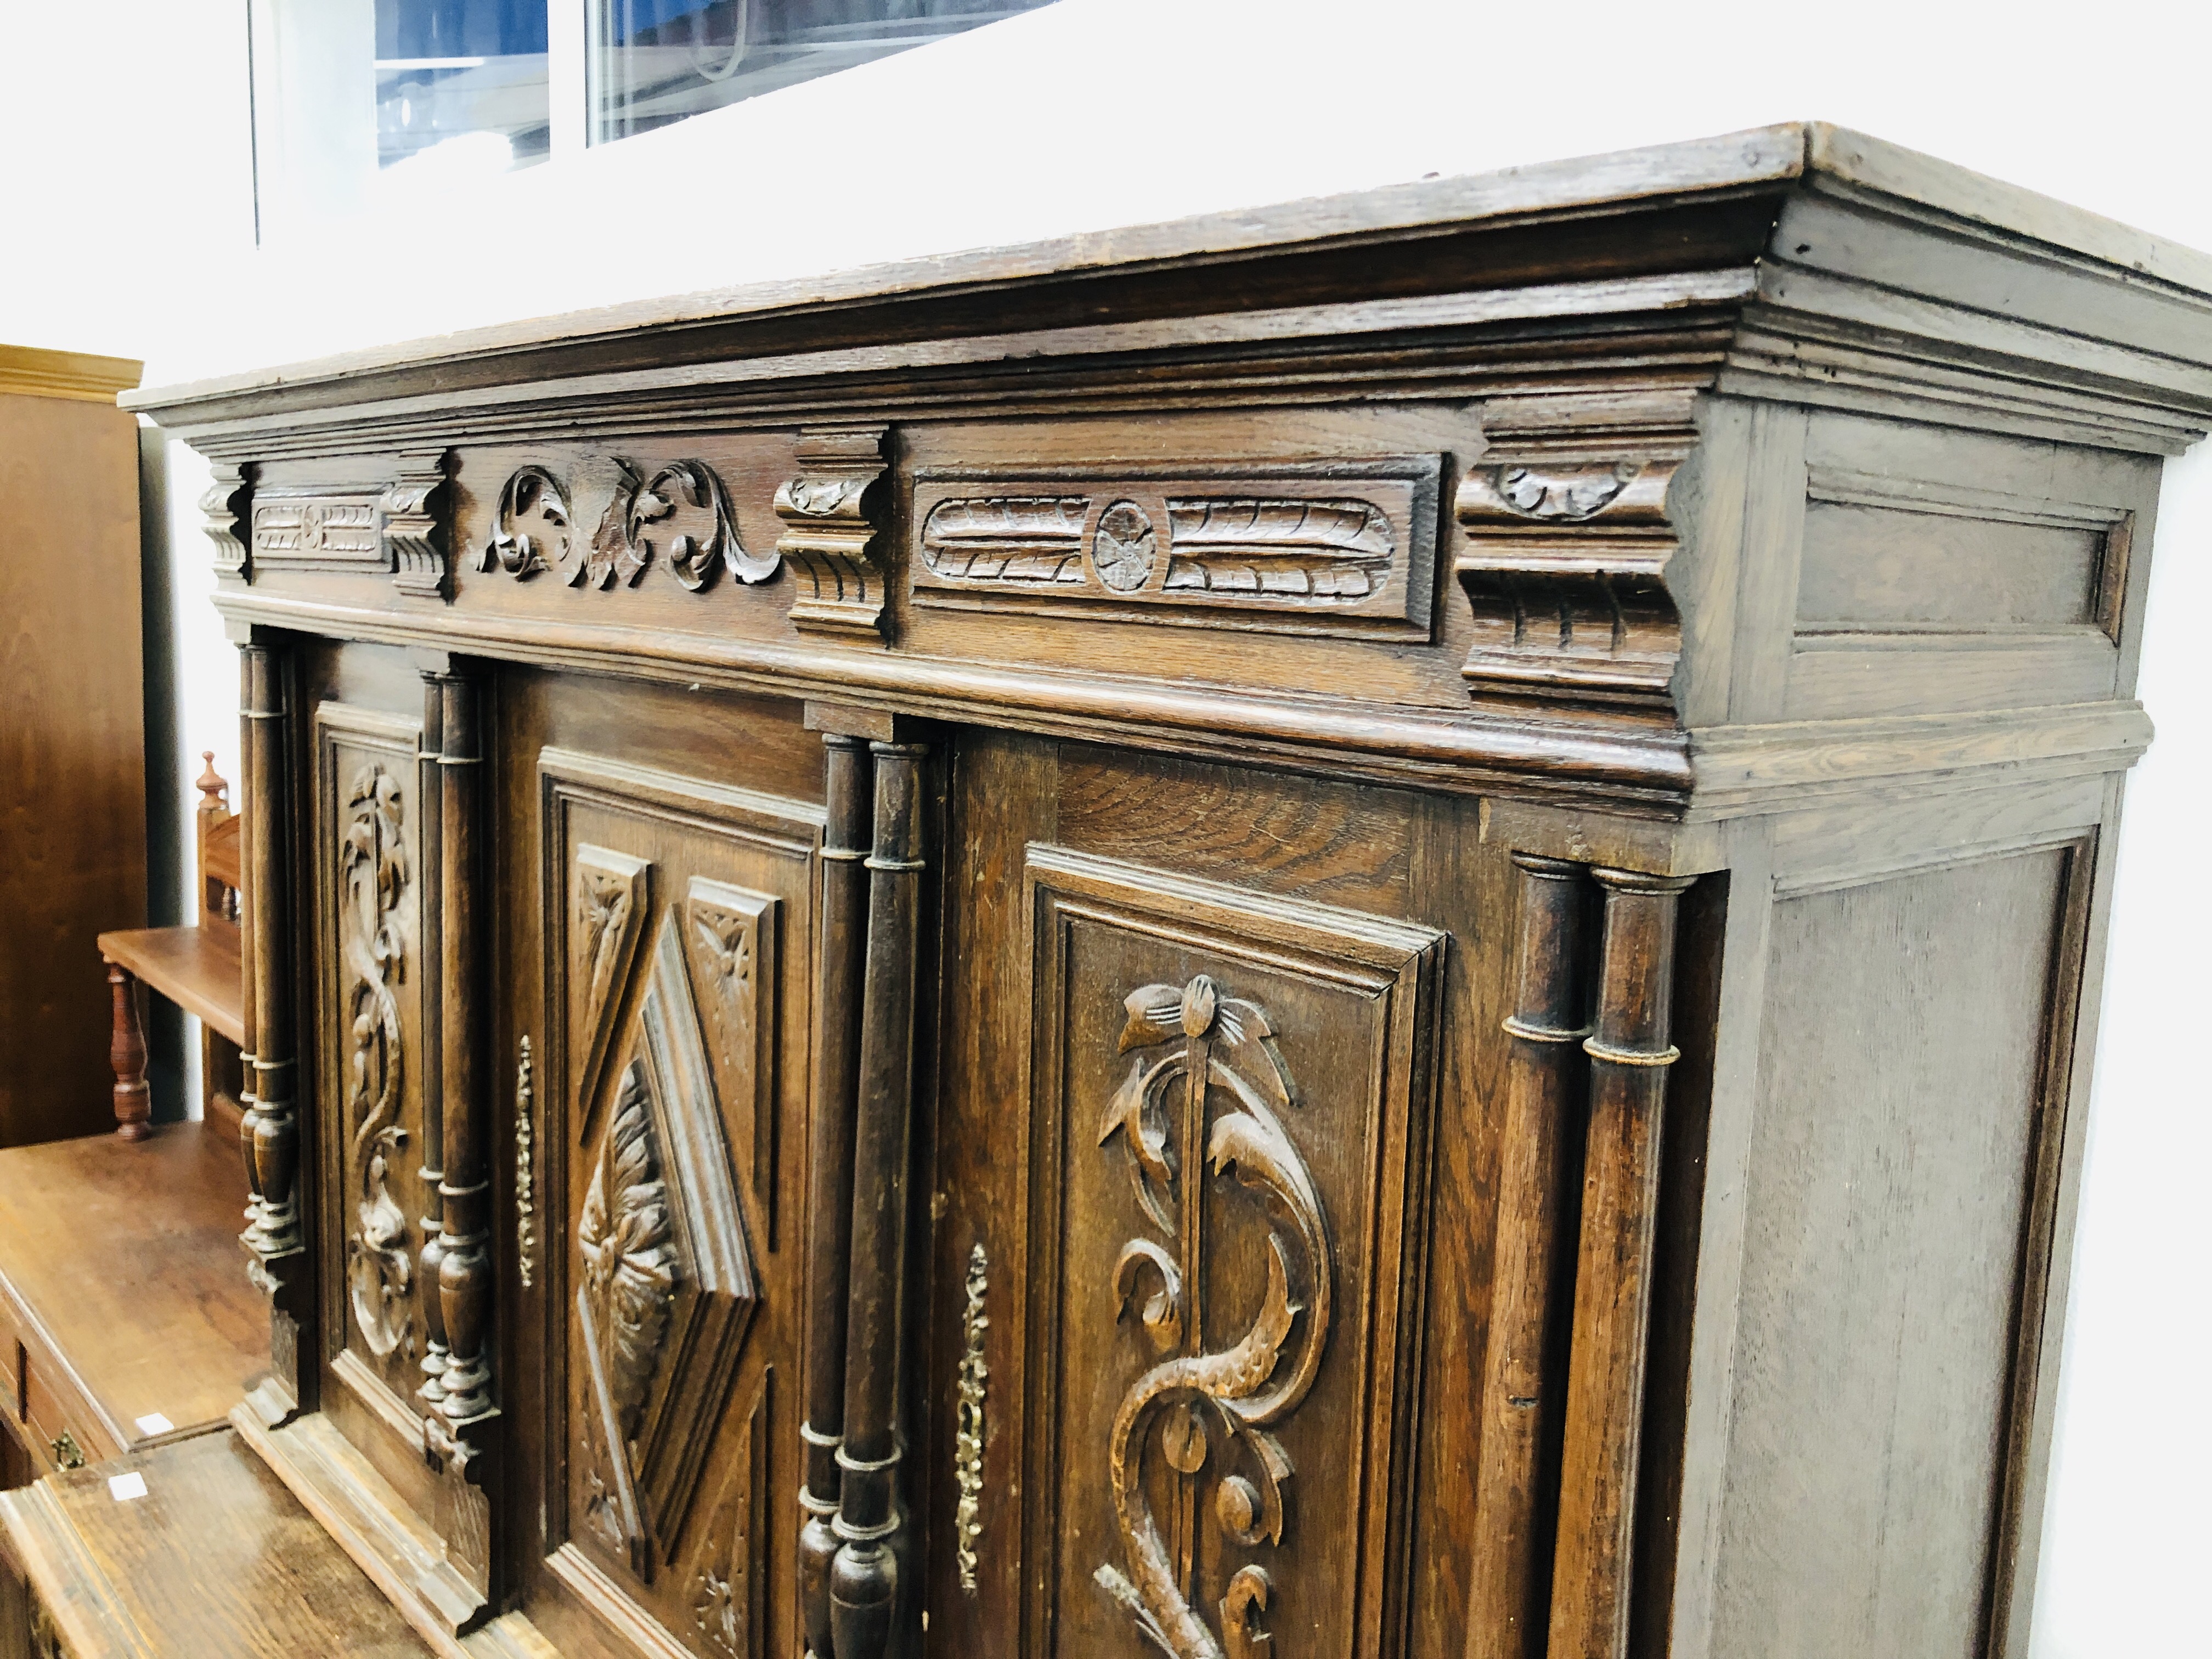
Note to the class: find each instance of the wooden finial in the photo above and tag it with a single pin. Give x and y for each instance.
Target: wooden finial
(211, 786)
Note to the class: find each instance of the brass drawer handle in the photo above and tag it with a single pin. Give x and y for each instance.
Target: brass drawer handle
(68, 1455)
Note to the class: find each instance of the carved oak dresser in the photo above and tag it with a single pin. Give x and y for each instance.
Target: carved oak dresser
(1368, 929)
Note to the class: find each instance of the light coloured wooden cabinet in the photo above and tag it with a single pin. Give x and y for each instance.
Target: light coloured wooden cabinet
(1366, 930)
(72, 743)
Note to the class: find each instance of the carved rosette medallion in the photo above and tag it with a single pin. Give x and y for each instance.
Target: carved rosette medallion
(372, 865)
(1124, 549)
(1209, 1103)
(678, 516)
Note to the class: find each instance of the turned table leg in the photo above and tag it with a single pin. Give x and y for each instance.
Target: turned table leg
(126, 1052)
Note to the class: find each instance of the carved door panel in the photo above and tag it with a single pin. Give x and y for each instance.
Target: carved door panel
(1231, 1104)
(372, 1074)
(669, 1084)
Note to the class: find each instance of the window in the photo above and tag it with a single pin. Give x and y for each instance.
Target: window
(657, 61)
(360, 104)
(461, 82)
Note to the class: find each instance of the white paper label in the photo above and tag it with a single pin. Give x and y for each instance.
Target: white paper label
(123, 1487)
(154, 1423)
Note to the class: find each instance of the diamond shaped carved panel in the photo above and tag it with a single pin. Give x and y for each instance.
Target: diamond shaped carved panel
(665, 1285)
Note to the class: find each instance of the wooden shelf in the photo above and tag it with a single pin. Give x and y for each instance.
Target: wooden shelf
(195, 968)
(216, 1557)
(122, 1279)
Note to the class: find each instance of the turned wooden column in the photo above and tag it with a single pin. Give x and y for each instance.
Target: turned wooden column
(465, 1024)
(1630, 1055)
(249, 1115)
(864, 1579)
(430, 791)
(272, 1117)
(829, 1169)
(1525, 1368)
(126, 1053)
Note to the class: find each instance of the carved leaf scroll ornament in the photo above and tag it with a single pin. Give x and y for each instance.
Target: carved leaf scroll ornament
(680, 514)
(530, 527)
(628, 1242)
(629, 1246)
(1210, 1103)
(372, 865)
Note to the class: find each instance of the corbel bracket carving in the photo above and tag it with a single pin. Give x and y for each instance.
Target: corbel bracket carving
(417, 526)
(828, 536)
(229, 504)
(1565, 560)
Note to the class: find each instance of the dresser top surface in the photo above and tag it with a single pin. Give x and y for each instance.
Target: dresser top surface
(1753, 171)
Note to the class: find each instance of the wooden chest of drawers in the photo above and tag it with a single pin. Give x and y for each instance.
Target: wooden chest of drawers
(1368, 930)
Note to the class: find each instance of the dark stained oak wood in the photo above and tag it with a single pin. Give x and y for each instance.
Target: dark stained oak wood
(1330, 697)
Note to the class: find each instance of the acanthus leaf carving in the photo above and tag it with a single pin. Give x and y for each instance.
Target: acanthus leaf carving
(530, 526)
(373, 865)
(1563, 561)
(679, 514)
(1210, 1103)
(667, 1288)
(829, 537)
(631, 1266)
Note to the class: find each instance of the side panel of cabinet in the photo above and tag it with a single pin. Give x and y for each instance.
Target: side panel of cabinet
(659, 960)
(1204, 1353)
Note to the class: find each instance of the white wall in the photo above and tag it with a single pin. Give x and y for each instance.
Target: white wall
(1093, 113)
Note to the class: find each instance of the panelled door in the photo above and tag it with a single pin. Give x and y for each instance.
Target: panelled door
(1190, 1139)
(658, 863)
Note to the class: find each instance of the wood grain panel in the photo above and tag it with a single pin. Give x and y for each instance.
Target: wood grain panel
(1889, 1202)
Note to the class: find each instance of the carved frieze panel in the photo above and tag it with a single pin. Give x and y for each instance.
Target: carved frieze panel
(399, 526)
(624, 521)
(1564, 558)
(371, 1078)
(1305, 547)
(1237, 1091)
(829, 534)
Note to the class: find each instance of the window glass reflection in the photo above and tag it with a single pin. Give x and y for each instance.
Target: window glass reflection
(657, 61)
(461, 85)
